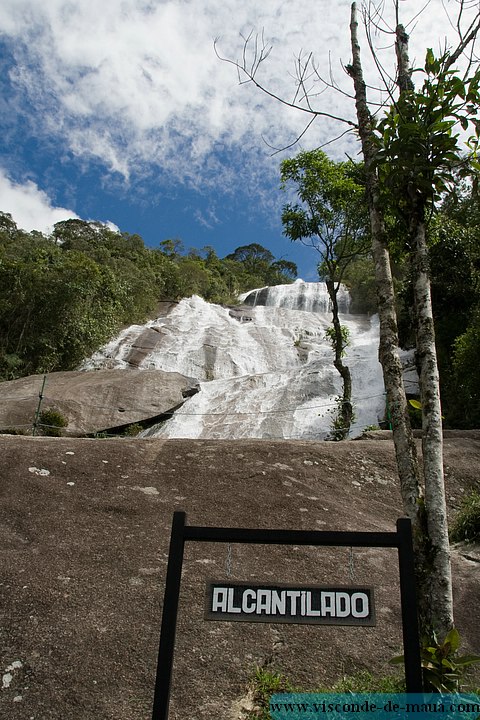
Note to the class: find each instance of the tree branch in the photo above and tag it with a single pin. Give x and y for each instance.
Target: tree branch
(251, 72)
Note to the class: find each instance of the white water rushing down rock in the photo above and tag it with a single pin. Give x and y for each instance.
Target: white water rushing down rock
(265, 370)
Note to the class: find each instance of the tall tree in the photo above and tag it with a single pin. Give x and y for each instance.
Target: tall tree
(419, 150)
(331, 219)
(450, 99)
(405, 449)
(412, 155)
(254, 256)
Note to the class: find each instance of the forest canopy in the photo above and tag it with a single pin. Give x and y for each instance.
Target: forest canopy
(63, 295)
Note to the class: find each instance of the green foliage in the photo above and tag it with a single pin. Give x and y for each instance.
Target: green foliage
(202, 272)
(51, 422)
(339, 337)
(255, 266)
(132, 430)
(252, 256)
(331, 216)
(359, 277)
(466, 524)
(62, 297)
(443, 668)
(10, 366)
(418, 139)
(172, 247)
(331, 336)
(423, 169)
(339, 428)
(364, 682)
(454, 267)
(266, 683)
(466, 351)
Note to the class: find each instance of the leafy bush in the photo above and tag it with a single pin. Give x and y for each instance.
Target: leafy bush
(466, 525)
(132, 430)
(51, 422)
(443, 668)
(465, 366)
(339, 427)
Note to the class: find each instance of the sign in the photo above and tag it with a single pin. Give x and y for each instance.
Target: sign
(231, 599)
(313, 605)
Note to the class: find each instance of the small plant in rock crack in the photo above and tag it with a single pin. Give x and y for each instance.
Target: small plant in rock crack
(266, 683)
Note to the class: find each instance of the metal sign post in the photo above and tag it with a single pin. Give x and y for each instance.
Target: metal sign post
(401, 540)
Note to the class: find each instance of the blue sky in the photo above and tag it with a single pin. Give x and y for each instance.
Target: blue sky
(121, 112)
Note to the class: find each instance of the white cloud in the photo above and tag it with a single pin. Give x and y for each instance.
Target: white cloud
(207, 219)
(29, 206)
(136, 84)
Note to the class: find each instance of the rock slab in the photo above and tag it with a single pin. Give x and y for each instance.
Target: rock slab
(94, 401)
(84, 537)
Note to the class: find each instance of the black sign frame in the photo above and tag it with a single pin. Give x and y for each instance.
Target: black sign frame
(181, 532)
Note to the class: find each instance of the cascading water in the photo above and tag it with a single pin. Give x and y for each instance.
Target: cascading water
(265, 369)
(307, 296)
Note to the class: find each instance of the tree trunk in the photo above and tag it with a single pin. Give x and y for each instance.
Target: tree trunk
(345, 417)
(432, 442)
(438, 548)
(406, 453)
(405, 449)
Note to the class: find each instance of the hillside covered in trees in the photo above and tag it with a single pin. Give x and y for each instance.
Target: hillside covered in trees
(64, 295)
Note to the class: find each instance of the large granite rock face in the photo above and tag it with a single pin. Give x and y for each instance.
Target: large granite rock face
(94, 401)
(84, 538)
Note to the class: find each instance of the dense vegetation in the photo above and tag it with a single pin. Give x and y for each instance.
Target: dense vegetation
(64, 295)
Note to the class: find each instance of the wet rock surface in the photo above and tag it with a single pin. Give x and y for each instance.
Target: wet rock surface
(84, 530)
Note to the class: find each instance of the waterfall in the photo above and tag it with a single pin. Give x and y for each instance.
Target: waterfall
(265, 368)
(300, 295)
